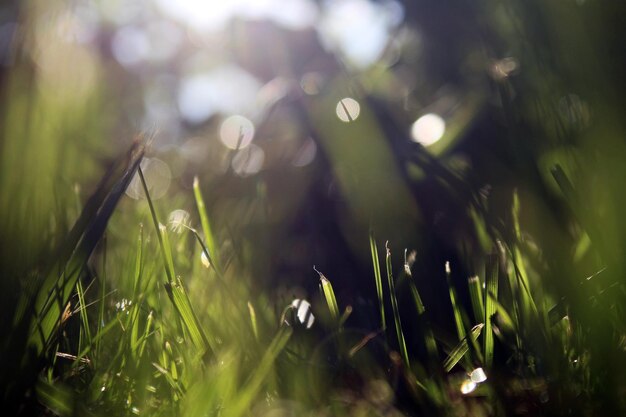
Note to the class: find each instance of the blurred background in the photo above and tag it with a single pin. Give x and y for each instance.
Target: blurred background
(310, 123)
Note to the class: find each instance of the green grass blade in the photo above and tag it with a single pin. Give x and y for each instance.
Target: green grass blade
(396, 311)
(461, 349)
(56, 397)
(491, 271)
(378, 280)
(518, 262)
(167, 250)
(247, 395)
(476, 297)
(427, 332)
(141, 346)
(174, 287)
(134, 336)
(157, 226)
(85, 331)
(206, 225)
(58, 286)
(456, 309)
(112, 177)
(180, 299)
(102, 296)
(329, 295)
(138, 264)
(253, 320)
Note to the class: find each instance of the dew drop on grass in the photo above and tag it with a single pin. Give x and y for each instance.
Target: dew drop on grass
(123, 305)
(205, 260)
(348, 109)
(303, 312)
(468, 386)
(178, 220)
(478, 375)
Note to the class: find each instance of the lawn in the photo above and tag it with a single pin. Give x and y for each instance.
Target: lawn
(320, 208)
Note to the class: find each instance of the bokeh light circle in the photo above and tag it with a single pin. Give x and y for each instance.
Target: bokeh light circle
(348, 109)
(428, 129)
(236, 132)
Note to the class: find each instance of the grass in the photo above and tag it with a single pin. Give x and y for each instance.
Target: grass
(154, 352)
(119, 313)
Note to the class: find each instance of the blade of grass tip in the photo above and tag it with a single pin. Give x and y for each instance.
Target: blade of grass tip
(346, 314)
(378, 280)
(146, 334)
(458, 320)
(429, 338)
(253, 320)
(518, 260)
(218, 273)
(491, 271)
(476, 297)
(51, 300)
(396, 311)
(206, 225)
(461, 349)
(329, 295)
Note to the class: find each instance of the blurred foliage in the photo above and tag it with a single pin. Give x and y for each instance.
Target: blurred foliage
(280, 135)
